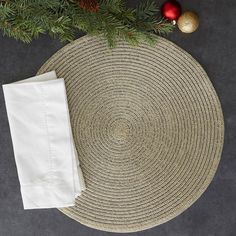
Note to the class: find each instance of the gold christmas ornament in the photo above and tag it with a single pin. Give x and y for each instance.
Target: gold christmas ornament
(188, 22)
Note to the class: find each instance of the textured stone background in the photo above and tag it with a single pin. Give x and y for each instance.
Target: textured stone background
(214, 214)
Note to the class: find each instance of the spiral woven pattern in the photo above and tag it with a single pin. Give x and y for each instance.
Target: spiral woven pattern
(148, 128)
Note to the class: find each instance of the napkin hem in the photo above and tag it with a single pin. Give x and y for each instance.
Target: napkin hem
(49, 196)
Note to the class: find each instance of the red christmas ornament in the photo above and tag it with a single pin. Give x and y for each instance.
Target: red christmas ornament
(171, 10)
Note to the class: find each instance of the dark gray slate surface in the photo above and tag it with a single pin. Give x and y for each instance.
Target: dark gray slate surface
(214, 214)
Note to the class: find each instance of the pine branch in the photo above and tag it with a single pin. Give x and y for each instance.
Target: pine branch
(146, 10)
(26, 19)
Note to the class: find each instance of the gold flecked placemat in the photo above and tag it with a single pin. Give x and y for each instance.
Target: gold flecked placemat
(148, 128)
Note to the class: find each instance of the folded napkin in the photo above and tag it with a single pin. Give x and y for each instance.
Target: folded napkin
(45, 154)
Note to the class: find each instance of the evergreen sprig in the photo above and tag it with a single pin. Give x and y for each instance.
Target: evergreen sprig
(26, 19)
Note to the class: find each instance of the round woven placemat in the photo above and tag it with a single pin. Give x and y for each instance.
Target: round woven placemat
(148, 128)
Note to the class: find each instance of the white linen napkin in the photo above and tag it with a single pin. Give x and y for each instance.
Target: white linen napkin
(45, 154)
